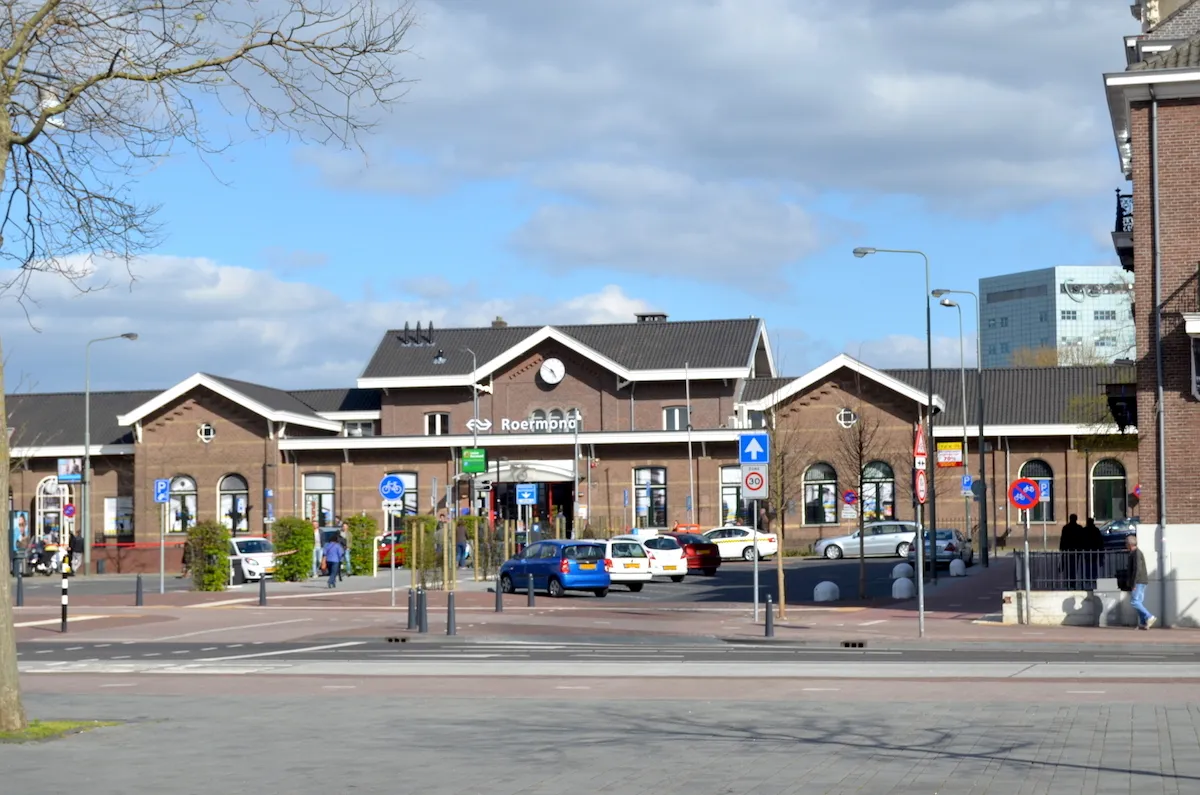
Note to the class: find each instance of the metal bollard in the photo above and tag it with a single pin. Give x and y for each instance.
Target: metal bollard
(65, 599)
(451, 625)
(412, 610)
(139, 595)
(20, 586)
(529, 590)
(262, 591)
(499, 597)
(422, 611)
(770, 618)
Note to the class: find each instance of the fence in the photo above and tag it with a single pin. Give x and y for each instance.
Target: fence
(1070, 571)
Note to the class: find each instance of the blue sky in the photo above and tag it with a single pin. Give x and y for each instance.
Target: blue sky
(706, 158)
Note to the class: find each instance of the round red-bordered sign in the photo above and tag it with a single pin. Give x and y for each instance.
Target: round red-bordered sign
(922, 486)
(69, 511)
(1024, 493)
(754, 481)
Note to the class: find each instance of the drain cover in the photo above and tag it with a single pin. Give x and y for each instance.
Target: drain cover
(854, 644)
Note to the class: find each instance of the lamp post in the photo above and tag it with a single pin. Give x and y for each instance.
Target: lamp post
(86, 484)
(440, 359)
(962, 378)
(861, 252)
(982, 443)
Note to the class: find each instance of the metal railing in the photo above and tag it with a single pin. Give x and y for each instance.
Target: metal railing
(1070, 571)
(1124, 221)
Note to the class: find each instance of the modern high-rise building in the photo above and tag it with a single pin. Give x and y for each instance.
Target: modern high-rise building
(1083, 313)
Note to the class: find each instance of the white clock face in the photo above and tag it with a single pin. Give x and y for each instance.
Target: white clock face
(552, 371)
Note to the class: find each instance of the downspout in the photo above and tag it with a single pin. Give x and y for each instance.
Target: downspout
(1160, 429)
(632, 387)
(295, 486)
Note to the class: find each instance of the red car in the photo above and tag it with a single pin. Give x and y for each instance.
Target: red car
(391, 550)
(702, 554)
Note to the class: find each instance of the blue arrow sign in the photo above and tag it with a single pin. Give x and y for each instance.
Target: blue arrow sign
(162, 490)
(754, 448)
(526, 494)
(1023, 493)
(626, 497)
(391, 487)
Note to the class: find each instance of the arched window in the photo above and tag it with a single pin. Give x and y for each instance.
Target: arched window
(1040, 472)
(319, 492)
(879, 492)
(820, 495)
(538, 421)
(233, 503)
(183, 503)
(1108, 490)
(52, 495)
(556, 424)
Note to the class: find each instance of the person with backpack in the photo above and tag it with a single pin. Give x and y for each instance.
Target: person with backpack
(332, 555)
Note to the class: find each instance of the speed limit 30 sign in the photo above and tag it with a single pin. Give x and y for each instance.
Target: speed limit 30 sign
(754, 481)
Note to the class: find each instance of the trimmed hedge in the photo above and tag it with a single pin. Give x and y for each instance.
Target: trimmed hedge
(295, 535)
(362, 531)
(208, 543)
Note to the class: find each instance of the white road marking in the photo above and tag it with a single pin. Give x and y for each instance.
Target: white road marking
(122, 657)
(228, 629)
(48, 621)
(285, 651)
(120, 684)
(73, 648)
(873, 623)
(572, 687)
(103, 645)
(46, 651)
(209, 648)
(820, 689)
(338, 687)
(1093, 692)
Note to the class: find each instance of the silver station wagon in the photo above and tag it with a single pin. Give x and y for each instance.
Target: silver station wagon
(881, 539)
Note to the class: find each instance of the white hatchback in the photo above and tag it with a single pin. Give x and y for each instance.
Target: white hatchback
(667, 558)
(254, 555)
(629, 563)
(736, 541)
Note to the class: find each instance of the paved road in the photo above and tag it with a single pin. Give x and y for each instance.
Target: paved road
(106, 585)
(556, 742)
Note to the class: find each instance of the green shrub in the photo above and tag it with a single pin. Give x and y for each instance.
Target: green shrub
(208, 543)
(362, 531)
(295, 535)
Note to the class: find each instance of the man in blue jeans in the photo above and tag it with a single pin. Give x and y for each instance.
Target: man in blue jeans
(332, 555)
(1135, 580)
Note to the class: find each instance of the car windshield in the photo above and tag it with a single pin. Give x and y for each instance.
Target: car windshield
(584, 552)
(254, 546)
(692, 539)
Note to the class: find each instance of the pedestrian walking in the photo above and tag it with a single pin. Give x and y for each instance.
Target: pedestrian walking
(187, 560)
(343, 538)
(332, 555)
(75, 550)
(460, 544)
(1071, 543)
(1135, 582)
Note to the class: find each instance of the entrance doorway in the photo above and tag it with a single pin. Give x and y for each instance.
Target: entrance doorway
(50, 521)
(555, 492)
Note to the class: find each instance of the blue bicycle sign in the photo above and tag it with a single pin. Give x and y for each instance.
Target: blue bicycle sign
(391, 487)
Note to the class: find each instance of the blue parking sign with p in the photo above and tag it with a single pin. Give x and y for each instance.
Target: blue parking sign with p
(162, 490)
(1044, 489)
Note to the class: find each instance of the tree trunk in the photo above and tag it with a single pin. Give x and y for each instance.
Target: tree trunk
(12, 713)
(862, 542)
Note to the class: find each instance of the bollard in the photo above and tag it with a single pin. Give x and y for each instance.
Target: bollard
(412, 610)
(262, 591)
(499, 597)
(20, 584)
(770, 618)
(138, 598)
(422, 611)
(451, 626)
(65, 586)
(530, 598)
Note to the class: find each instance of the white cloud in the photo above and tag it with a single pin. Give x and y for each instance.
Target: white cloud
(193, 314)
(900, 351)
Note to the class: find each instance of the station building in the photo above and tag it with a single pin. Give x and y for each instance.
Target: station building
(618, 424)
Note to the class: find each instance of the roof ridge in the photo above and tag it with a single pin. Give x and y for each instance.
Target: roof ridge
(80, 393)
(1163, 60)
(612, 324)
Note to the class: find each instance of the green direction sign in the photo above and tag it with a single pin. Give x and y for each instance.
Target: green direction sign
(474, 460)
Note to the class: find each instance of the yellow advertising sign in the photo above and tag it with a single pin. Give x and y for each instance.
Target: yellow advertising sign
(949, 454)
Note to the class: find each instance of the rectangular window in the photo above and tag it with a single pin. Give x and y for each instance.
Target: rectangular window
(675, 418)
(650, 490)
(365, 428)
(118, 518)
(820, 503)
(1004, 347)
(1105, 314)
(757, 419)
(1003, 322)
(731, 494)
(991, 350)
(1001, 296)
(437, 424)
(1072, 342)
(991, 322)
(1043, 316)
(1068, 314)
(319, 494)
(1106, 342)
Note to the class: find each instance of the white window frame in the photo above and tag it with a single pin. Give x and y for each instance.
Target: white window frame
(227, 499)
(183, 500)
(319, 494)
(678, 413)
(441, 423)
(358, 428)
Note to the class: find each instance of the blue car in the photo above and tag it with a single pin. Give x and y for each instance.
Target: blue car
(558, 567)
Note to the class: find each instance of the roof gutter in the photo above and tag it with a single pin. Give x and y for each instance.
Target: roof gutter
(1124, 88)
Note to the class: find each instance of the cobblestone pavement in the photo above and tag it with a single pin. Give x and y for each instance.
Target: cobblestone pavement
(184, 745)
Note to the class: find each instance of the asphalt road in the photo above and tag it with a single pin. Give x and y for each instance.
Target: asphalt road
(103, 585)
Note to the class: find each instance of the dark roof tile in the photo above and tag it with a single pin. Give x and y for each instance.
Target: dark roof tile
(325, 400)
(50, 420)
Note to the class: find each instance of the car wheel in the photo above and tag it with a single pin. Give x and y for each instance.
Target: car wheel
(506, 584)
(601, 592)
(833, 552)
(902, 549)
(636, 587)
(676, 578)
(748, 553)
(555, 588)
(710, 572)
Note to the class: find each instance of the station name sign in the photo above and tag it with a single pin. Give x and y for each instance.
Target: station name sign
(565, 425)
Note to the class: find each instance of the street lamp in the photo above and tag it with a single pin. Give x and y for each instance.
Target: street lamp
(983, 515)
(86, 485)
(439, 359)
(962, 378)
(861, 252)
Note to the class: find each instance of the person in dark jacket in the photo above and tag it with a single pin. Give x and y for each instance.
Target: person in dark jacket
(1071, 542)
(75, 549)
(1136, 579)
(1092, 544)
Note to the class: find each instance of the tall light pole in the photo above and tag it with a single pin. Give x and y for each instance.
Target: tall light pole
(440, 359)
(932, 526)
(982, 443)
(86, 484)
(962, 379)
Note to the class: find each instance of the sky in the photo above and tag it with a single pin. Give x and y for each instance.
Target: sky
(581, 162)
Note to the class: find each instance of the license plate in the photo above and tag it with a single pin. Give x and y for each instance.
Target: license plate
(706, 552)
(633, 565)
(270, 570)
(587, 566)
(668, 568)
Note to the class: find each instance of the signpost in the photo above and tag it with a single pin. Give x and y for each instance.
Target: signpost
(391, 489)
(162, 496)
(920, 493)
(1024, 494)
(754, 454)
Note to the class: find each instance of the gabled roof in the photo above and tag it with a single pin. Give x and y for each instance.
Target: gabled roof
(633, 351)
(57, 419)
(1182, 56)
(333, 401)
(273, 404)
(782, 389)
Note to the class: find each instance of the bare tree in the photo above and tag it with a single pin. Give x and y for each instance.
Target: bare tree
(857, 446)
(92, 92)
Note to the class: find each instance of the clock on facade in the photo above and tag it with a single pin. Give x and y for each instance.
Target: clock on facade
(552, 371)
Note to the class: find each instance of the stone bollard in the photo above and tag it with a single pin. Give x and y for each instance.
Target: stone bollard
(770, 625)
(499, 596)
(138, 597)
(412, 609)
(826, 592)
(451, 624)
(958, 568)
(902, 570)
(903, 588)
(531, 598)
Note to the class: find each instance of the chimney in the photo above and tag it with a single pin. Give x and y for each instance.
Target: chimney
(429, 334)
(651, 317)
(406, 338)
(499, 322)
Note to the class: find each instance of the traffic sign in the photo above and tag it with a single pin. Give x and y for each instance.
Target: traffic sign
(1024, 493)
(162, 490)
(526, 494)
(69, 511)
(391, 488)
(967, 482)
(754, 448)
(1043, 489)
(1137, 490)
(625, 497)
(922, 486)
(474, 460)
(849, 497)
(393, 507)
(920, 449)
(754, 482)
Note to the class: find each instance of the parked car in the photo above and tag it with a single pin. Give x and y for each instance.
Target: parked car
(559, 566)
(629, 563)
(701, 554)
(736, 541)
(951, 545)
(883, 539)
(1115, 532)
(667, 558)
(253, 555)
